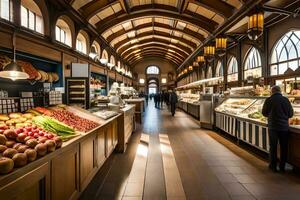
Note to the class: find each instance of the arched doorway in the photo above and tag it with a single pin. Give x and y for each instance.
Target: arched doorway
(152, 87)
(153, 76)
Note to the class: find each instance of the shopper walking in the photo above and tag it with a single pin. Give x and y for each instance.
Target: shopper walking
(155, 100)
(158, 100)
(278, 109)
(161, 99)
(146, 99)
(173, 102)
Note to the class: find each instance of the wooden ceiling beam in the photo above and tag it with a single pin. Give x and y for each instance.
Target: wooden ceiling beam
(154, 33)
(157, 56)
(220, 7)
(125, 5)
(140, 45)
(206, 24)
(167, 35)
(126, 53)
(185, 31)
(151, 40)
(163, 52)
(174, 51)
(92, 8)
(153, 54)
(182, 5)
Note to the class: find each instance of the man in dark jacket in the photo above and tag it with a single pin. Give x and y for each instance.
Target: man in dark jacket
(278, 109)
(173, 102)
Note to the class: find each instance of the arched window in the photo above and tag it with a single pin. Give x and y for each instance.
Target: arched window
(31, 16)
(95, 50)
(104, 57)
(252, 64)
(286, 53)
(219, 69)
(209, 72)
(152, 70)
(232, 70)
(112, 62)
(63, 32)
(81, 42)
(6, 9)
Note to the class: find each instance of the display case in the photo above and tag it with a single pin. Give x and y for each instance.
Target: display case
(242, 118)
(77, 92)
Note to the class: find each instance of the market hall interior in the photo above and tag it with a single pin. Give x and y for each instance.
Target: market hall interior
(85, 84)
(172, 158)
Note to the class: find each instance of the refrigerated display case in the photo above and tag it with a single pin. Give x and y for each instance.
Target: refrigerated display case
(246, 122)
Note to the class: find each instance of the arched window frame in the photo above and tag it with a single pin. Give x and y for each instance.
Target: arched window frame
(152, 70)
(209, 72)
(31, 17)
(63, 32)
(232, 70)
(252, 64)
(219, 69)
(281, 57)
(82, 42)
(95, 55)
(6, 10)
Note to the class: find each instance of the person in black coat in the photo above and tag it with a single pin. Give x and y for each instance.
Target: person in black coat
(278, 109)
(173, 102)
(158, 99)
(155, 100)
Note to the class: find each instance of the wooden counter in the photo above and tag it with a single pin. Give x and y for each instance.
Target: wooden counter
(65, 173)
(126, 125)
(139, 108)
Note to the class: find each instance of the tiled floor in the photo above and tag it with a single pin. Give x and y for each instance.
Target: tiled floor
(172, 158)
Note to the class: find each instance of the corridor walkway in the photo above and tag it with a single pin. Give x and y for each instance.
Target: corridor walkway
(172, 158)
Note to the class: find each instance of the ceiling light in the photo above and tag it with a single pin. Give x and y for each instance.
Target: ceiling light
(255, 26)
(13, 71)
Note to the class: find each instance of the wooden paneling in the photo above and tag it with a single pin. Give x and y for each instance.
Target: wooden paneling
(112, 75)
(87, 161)
(30, 186)
(294, 151)
(109, 139)
(100, 147)
(65, 175)
(37, 49)
(97, 69)
(5, 40)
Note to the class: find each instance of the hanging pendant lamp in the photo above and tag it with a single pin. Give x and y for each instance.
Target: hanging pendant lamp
(12, 70)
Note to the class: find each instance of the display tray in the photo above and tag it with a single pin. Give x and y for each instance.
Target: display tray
(251, 111)
(105, 114)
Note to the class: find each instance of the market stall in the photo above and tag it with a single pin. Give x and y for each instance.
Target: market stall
(198, 100)
(240, 116)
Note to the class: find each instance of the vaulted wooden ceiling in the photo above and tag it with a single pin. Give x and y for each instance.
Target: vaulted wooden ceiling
(168, 29)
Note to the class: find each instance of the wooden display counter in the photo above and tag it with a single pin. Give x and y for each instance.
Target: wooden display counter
(139, 108)
(126, 125)
(66, 172)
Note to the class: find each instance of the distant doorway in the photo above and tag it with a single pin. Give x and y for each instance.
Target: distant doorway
(152, 90)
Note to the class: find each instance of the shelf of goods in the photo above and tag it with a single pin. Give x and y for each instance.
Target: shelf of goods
(50, 168)
(241, 117)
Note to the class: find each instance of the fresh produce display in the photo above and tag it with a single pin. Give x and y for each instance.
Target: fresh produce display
(19, 146)
(73, 120)
(54, 126)
(15, 120)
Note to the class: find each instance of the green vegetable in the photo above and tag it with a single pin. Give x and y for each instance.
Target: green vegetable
(52, 125)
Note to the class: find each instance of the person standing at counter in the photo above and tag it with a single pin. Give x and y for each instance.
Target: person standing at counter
(173, 102)
(278, 110)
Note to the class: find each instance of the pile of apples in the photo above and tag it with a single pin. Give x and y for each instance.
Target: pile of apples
(23, 145)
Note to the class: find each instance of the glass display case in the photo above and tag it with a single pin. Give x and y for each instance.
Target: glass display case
(235, 106)
(251, 109)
